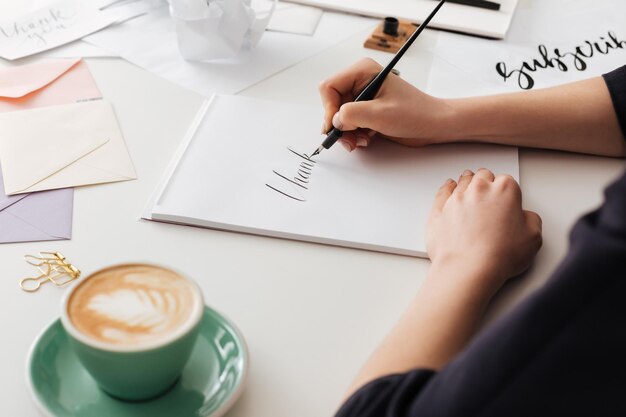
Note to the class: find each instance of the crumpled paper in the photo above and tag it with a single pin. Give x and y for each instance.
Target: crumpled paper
(217, 29)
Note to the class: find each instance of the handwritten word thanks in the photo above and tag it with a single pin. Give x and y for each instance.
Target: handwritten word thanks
(296, 185)
(39, 27)
(560, 59)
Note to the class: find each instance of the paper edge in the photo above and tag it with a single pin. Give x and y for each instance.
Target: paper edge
(224, 227)
(178, 154)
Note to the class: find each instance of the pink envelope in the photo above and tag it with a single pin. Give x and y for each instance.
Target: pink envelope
(45, 215)
(46, 83)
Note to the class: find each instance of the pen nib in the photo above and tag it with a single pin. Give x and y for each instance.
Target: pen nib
(317, 152)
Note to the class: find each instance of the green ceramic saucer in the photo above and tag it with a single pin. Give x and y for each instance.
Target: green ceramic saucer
(210, 384)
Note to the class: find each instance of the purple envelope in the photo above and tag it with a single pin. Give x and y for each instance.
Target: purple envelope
(45, 215)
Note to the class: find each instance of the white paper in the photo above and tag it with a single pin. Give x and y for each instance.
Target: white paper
(454, 17)
(150, 42)
(376, 199)
(560, 21)
(49, 27)
(292, 18)
(10, 9)
(62, 146)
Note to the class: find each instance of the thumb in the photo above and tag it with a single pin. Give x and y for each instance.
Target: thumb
(352, 116)
(533, 220)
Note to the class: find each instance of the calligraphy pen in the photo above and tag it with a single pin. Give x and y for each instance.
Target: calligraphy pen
(372, 88)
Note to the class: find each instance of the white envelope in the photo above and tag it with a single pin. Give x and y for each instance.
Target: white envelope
(62, 146)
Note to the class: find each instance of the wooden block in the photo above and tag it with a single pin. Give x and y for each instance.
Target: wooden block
(382, 41)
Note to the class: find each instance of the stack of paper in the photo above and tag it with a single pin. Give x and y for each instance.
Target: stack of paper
(56, 133)
(46, 215)
(235, 171)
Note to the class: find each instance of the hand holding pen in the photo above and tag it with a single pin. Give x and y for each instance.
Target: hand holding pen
(372, 88)
(400, 112)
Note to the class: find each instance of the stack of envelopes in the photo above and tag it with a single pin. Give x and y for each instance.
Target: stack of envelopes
(55, 132)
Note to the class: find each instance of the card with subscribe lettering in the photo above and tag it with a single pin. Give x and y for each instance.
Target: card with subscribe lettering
(518, 67)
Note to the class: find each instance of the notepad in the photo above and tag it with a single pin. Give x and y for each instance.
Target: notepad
(243, 167)
(453, 17)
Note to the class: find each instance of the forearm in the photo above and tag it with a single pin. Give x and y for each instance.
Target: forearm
(438, 323)
(577, 117)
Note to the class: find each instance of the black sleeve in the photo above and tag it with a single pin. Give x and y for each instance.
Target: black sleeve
(616, 81)
(561, 352)
(387, 396)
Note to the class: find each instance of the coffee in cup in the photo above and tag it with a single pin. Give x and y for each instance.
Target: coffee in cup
(133, 327)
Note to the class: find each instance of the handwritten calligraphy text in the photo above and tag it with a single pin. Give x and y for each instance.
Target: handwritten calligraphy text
(294, 186)
(560, 60)
(38, 28)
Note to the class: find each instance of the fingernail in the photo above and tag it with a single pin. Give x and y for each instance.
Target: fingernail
(337, 121)
(466, 173)
(346, 145)
(449, 181)
(361, 142)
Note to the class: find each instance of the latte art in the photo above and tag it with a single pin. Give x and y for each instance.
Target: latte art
(132, 305)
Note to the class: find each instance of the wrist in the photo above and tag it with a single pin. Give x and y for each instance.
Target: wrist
(468, 120)
(435, 120)
(451, 125)
(472, 276)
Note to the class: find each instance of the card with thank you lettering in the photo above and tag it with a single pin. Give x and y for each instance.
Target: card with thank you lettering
(48, 27)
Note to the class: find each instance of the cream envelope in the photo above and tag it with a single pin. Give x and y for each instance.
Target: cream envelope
(46, 83)
(62, 146)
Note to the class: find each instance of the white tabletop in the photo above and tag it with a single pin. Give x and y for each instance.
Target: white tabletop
(310, 313)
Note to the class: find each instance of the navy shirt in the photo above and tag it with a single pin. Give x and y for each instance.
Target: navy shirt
(561, 352)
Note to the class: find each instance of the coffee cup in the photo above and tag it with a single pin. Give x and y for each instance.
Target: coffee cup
(133, 327)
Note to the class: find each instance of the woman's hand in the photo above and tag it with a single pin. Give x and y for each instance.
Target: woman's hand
(478, 236)
(478, 225)
(400, 112)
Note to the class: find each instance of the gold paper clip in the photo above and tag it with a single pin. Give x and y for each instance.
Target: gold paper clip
(53, 267)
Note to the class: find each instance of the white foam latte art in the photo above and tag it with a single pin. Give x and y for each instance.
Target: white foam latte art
(151, 310)
(132, 306)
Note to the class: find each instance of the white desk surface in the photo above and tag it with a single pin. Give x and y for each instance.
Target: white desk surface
(310, 313)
